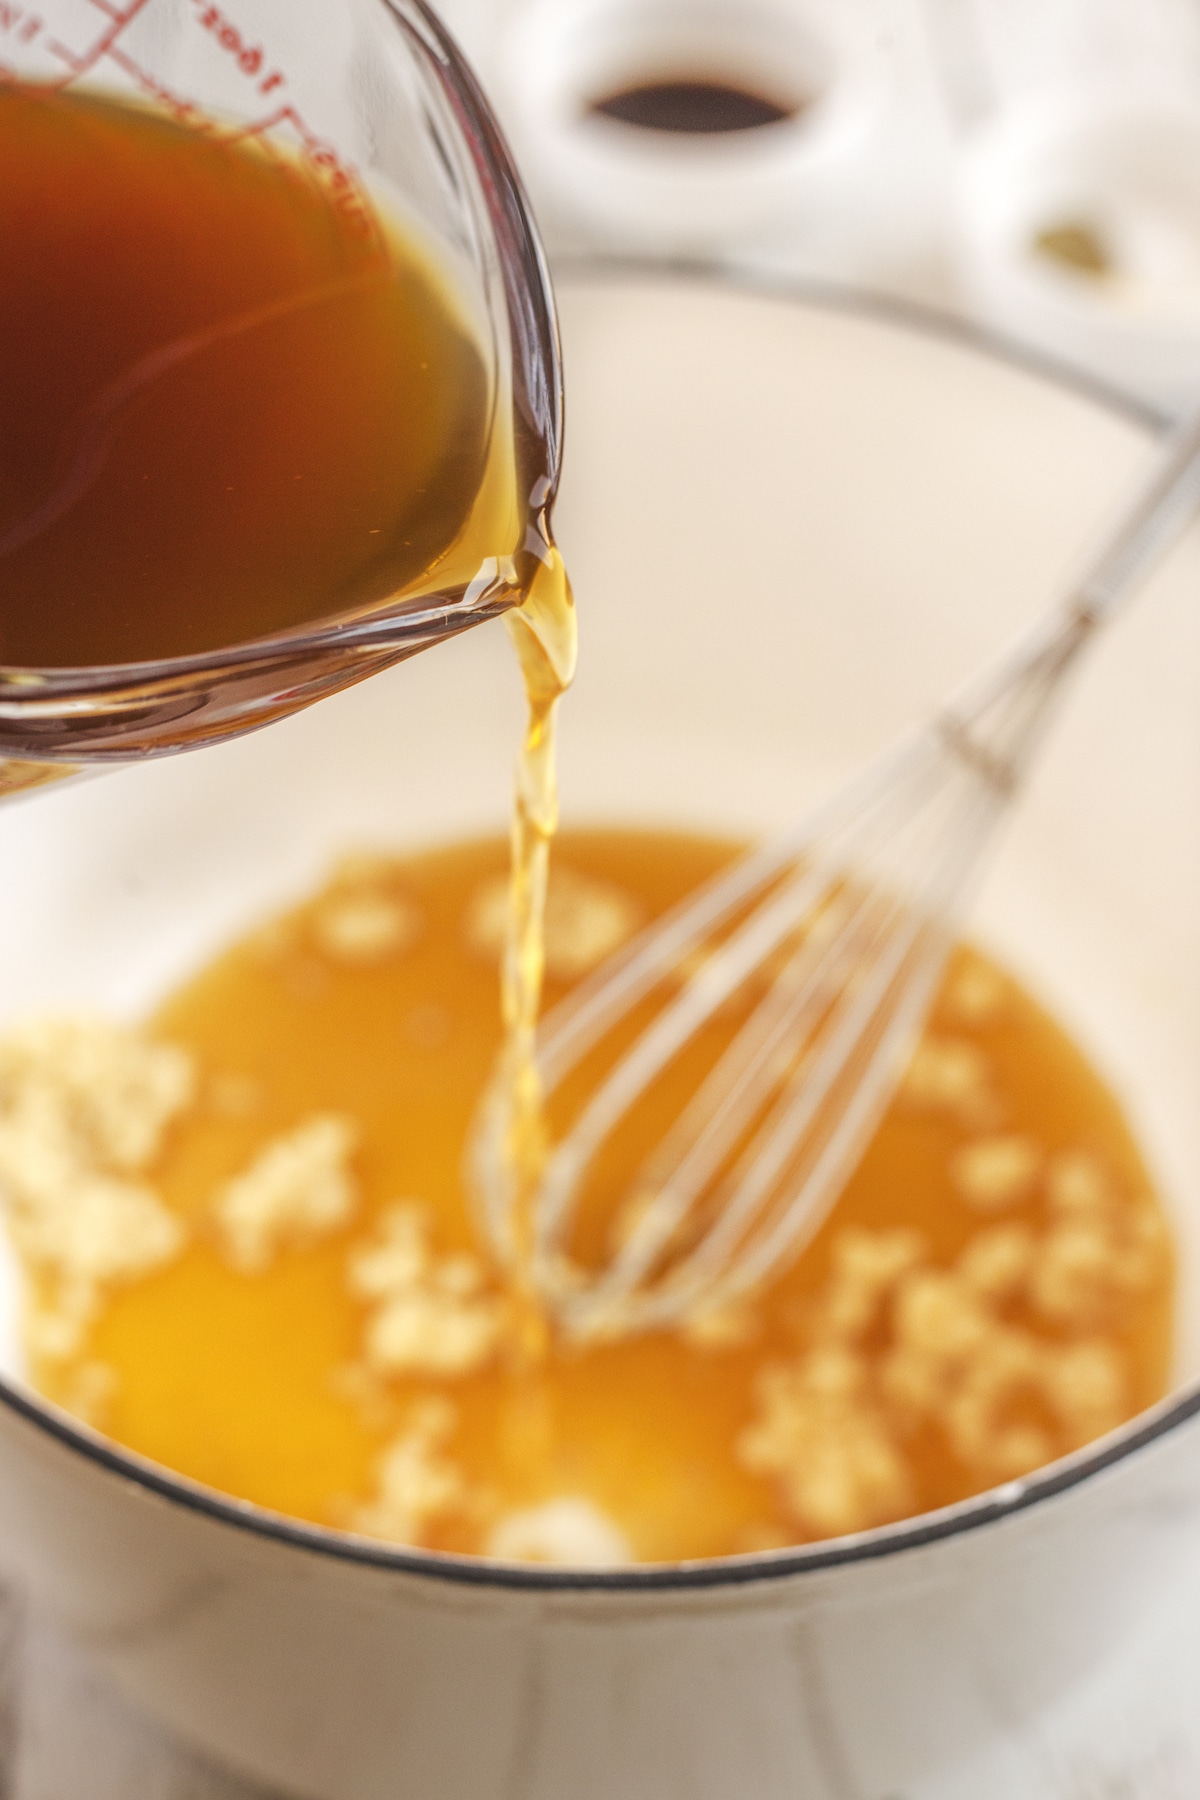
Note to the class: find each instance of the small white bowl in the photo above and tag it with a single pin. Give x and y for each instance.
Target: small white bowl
(680, 192)
(1124, 169)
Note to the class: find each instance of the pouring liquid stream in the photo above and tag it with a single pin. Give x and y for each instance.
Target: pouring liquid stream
(544, 636)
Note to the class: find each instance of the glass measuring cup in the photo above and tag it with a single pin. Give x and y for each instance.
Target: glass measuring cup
(368, 97)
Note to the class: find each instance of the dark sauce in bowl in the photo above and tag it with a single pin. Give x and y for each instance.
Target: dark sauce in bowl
(695, 106)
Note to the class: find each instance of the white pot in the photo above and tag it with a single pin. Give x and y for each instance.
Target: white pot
(797, 526)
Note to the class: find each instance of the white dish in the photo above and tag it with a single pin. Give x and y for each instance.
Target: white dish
(1123, 164)
(670, 192)
(791, 528)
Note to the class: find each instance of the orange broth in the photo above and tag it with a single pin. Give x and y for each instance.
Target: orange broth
(255, 1383)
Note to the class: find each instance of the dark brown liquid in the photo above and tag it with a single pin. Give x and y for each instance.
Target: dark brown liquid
(693, 107)
(229, 405)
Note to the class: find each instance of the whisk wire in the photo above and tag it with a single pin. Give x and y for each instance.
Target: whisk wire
(874, 1039)
(588, 1013)
(730, 1098)
(859, 1000)
(798, 897)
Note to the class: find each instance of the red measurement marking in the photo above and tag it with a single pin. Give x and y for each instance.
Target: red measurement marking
(79, 65)
(341, 178)
(251, 58)
(15, 18)
(185, 111)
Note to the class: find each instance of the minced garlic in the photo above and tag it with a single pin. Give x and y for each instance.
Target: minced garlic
(952, 1075)
(995, 1172)
(984, 1414)
(84, 1108)
(866, 1266)
(1076, 1185)
(429, 1315)
(586, 920)
(365, 927)
(896, 1344)
(113, 1089)
(296, 1189)
(88, 1392)
(820, 1434)
(1088, 1266)
(996, 1264)
(417, 1482)
(566, 1533)
(1087, 1384)
(937, 1315)
(958, 1366)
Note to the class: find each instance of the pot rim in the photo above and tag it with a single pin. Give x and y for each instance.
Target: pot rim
(719, 1572)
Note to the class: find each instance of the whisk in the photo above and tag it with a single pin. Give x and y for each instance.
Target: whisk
(831, 938)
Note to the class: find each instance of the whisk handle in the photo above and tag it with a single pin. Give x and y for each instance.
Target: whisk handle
(1162, 509)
